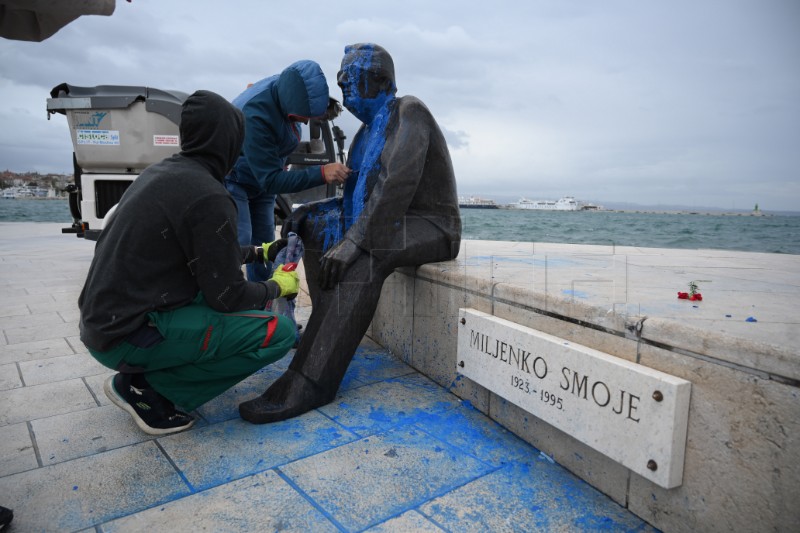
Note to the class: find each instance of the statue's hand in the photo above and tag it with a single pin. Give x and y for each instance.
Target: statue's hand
(295, 220)
(335, 263)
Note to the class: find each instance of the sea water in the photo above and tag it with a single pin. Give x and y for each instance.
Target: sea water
(28, 210)
(766, 233)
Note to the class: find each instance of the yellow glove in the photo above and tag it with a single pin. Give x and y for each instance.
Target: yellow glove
(287, 279)
(269, 250)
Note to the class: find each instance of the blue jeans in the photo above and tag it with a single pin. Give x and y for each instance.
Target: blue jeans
(256, 223)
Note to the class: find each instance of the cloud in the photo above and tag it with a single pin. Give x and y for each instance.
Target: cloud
(615, 100)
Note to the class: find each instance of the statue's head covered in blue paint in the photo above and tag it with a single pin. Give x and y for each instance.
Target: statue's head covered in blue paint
(366, 79)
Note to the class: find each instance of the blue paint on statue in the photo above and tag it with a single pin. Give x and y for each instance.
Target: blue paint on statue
(372, 102)
(373, 137)
(374, 112)
(328, 224)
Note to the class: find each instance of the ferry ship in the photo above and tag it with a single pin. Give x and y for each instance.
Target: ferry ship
(15, 193)
(566, 203)
(473, 202)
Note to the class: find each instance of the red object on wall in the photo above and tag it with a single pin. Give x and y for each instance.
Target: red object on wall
(692, 297)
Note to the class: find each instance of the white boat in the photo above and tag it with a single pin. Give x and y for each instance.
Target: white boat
(12, 193)
(16, 193)
(475, 202)
(567, 203)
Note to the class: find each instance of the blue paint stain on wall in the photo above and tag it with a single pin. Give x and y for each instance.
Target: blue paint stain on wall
(576, 294)
(478, 260)
(506, 259)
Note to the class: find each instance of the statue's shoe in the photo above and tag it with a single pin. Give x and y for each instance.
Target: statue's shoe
(291, 395)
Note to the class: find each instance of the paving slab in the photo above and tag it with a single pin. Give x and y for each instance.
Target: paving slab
(91, 490)
(529, 496)
(60, 368)
(34, 350)
(393, 452)
(373, 408)
(403, 468)
(16, 450)
(83, 433)
(222, 452)
(408, 521)
(9, 377)
(39, 401)
(263, 502)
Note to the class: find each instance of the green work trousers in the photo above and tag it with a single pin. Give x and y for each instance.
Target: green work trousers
(204, 352)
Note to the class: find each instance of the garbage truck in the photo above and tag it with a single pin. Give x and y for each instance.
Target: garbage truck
(119, 130)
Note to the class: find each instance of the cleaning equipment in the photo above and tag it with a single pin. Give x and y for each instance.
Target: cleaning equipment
(291, 254)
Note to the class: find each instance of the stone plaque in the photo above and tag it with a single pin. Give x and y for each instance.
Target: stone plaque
(635, 415)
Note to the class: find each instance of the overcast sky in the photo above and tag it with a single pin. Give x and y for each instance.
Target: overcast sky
(694, 103)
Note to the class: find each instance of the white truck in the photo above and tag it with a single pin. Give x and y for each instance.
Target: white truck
(119, 130)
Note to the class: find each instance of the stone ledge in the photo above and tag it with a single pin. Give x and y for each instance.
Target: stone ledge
(765, 347)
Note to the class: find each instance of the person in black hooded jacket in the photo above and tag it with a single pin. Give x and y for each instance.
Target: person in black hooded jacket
(165, 302)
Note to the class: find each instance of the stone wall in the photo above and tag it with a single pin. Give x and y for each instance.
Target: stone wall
(742, 462)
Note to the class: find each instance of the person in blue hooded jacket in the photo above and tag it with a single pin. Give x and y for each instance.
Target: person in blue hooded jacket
(274, 109)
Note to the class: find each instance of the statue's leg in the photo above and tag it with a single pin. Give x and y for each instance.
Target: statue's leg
(339, 319)
(339, 323)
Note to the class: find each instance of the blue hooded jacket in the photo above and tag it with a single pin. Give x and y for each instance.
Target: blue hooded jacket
(270, 136)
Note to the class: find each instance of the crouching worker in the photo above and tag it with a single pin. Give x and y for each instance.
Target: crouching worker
(165, 302)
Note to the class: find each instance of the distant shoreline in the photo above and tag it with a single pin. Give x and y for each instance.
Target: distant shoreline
(37, 198)
(685, 212)
(645, 211)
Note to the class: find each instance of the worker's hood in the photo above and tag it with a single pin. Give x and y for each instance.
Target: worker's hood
(302, 90)
(212, 132)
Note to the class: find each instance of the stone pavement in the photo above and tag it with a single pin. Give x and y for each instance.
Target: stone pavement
(393, 452)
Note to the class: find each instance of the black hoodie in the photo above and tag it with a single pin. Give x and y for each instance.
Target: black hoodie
(173, 234)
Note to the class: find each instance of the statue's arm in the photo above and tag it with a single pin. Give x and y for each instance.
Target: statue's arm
(298, 216)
